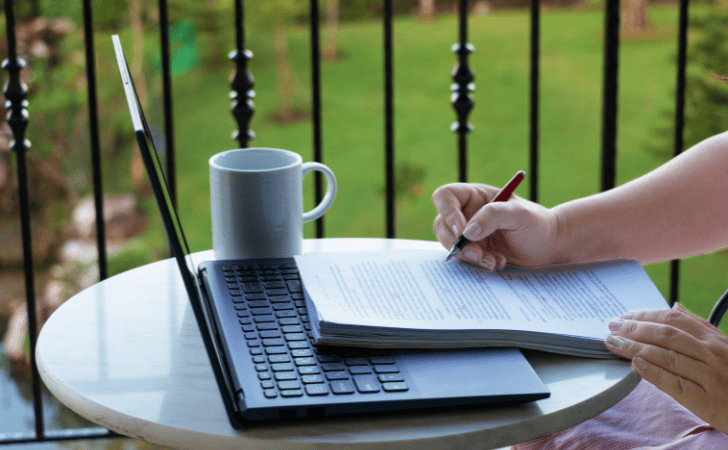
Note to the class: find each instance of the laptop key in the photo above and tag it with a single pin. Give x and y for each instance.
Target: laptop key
(285, 376)
(272, 342)
(252, 287)
(276, 350)
(387, 377)
(282, 358)
(305, 361)
(398, 386)
(308, 379)
(386, 369)
(298, 345)
(270, 333)
(295, 337)
(366, 384)
(382, 360)
(270, 393)
(273, 285)
(292, 393)
(341, 387)
(356, 362)
(289, 385)
(294, 286)
(360, 370)
(338, 375)
(316, 389)
(330, 367)
(281, 367)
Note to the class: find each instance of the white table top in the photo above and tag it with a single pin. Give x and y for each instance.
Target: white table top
(127, 355)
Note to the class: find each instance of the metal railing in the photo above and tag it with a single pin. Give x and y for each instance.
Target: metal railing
(242, 110)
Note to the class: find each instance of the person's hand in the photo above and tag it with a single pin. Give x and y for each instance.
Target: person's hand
(516, 231)
(681, 354)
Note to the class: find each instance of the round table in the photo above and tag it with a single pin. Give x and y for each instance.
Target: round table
(127, 354)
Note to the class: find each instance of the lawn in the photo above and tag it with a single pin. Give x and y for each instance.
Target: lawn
(353, 122)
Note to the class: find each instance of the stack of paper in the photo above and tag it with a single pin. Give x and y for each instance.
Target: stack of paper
(414, 299)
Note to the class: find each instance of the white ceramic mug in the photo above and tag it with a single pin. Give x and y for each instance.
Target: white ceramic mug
(256, 200)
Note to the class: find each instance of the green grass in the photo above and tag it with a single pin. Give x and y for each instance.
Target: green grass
(353, 122)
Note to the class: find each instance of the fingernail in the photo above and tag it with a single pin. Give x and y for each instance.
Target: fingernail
(473, 231)
(487, 263)
(470, 256)
(615, 342)
(456, 230)
(615, 325)
(626, 316)
(640, 363)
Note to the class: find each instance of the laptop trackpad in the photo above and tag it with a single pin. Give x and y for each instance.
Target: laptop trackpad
(471, 372)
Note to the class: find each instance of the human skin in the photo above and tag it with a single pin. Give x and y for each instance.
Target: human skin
(678, 210)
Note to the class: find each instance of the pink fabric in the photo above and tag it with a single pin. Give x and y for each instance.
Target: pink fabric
(646, 419)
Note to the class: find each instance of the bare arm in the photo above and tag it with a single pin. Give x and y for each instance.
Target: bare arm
(679, 209)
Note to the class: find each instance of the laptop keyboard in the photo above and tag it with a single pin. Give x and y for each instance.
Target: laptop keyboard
(270, 305)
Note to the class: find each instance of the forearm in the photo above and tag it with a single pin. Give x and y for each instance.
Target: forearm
(680, 209)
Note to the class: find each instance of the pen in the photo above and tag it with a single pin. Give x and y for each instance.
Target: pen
(502, 195)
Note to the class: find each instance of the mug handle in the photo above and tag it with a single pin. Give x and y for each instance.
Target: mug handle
(328, 199)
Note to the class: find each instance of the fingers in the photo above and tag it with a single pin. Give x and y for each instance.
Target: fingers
(455, 203)
(653, 334)
(666, 349)
(677, 317)
(685, 391)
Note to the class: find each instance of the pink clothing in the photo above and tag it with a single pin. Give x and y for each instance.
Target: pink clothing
(647, 419)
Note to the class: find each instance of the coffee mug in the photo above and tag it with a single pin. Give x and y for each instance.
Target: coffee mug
(256, 201)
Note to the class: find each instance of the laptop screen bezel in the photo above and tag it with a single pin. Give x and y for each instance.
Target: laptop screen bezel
(178, 241)
(175, 234)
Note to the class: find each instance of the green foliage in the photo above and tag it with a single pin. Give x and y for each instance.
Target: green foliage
(107, 14)
(706, 95)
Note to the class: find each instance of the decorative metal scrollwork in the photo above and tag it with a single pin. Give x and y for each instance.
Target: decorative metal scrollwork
(461, 98)
(16, 92)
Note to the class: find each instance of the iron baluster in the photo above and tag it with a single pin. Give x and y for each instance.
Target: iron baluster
(462, 99)
(16, 93)
(242, 82)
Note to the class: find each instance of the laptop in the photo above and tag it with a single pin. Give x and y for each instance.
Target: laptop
(253, 320)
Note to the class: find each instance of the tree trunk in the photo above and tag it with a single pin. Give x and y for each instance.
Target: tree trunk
(285, 85)
(137, 58)
(635, 17)
(427, 9)
(331, 30)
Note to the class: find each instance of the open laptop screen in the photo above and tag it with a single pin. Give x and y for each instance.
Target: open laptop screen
(150, 154)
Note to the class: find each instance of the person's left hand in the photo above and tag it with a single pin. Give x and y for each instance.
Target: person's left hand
(681, 354)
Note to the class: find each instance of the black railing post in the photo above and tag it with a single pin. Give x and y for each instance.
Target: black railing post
(16, 93)
(682, 44)
(609, 112)
(316, 106)
(242, 82)
(461, 98)
(93, 121)
(389, 119)
(535, 72)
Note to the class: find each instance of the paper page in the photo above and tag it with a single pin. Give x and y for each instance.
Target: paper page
(418, 289)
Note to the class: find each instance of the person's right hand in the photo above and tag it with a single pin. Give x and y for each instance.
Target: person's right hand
(516, 231)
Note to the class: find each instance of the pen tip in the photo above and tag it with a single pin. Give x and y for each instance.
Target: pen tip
(453, 251)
